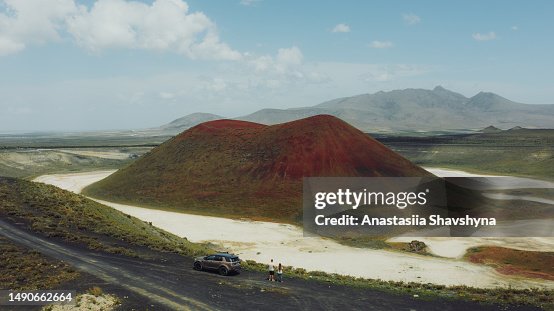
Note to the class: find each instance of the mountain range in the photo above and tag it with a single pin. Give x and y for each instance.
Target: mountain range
(408, 110)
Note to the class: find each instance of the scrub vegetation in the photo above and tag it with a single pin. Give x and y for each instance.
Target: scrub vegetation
(24, 269)
(57, 213)
(519, 152)
(514, 262)
(30, 162)
(505, 296)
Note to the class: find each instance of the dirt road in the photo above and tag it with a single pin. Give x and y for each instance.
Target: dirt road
(171, 284)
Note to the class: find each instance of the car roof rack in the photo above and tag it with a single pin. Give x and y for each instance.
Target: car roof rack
(227, 254)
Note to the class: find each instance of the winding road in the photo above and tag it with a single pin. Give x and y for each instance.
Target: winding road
(171, 284)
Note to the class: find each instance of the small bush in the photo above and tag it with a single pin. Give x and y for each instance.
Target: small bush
(95, 291)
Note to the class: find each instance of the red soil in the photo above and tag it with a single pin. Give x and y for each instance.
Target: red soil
(317, 146)
(515, 262)
(237, 167)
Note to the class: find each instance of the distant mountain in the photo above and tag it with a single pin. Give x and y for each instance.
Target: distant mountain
(177, 126)
(242, 169)
(275, 116)
(419, 110)
(491, 129)
(190, 121)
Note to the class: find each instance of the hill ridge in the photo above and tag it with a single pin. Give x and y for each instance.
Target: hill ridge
(230, 167)
(416, 110)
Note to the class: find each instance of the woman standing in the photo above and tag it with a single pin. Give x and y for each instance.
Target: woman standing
(280, 273)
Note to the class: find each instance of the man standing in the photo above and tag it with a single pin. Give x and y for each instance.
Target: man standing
(271, 269)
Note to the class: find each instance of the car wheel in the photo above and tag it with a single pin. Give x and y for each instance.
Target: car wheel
(197, 266)
(223, 271)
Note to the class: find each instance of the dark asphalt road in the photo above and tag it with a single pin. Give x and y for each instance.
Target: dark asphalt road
(172, 284)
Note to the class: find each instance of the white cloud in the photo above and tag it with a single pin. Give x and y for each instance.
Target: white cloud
(217, 85)
(25, 22)
(167, 95)
(291, 56)
(249, 2)
(166, 25)
(514, 28)
(285, 62)
(484, 36)
(9, 45)
(381, 44)
(411, 18)
(285, 70)
(262, 63)
(341, 28)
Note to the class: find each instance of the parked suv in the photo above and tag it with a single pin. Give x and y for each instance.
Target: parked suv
(224, 263)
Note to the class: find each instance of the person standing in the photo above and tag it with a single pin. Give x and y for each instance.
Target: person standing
(280, 273)
(271, 269)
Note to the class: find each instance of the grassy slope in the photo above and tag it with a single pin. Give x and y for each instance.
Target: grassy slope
(513, 161)
(30, 163)
(32, 160)
(23, 269)
(54, 212)
(55, 167)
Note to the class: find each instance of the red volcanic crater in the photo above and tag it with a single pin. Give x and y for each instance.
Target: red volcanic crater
(238, 168)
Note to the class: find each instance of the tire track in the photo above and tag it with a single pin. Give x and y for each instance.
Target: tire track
(143, 285)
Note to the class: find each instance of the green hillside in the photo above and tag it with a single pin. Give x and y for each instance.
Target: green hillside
(57, 213)
(516, 152)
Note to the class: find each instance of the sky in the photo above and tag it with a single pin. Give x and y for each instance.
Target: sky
(72, 65)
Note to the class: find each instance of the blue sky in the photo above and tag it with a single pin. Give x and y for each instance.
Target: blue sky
(121, 64)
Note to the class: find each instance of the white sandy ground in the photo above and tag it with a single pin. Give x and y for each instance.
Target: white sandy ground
(455, 247)
(506, 182)
(74, 182)
(88, 302)
(261, 241)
